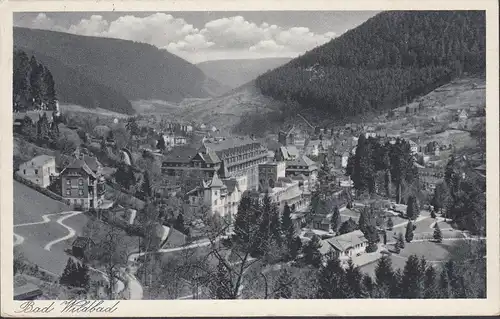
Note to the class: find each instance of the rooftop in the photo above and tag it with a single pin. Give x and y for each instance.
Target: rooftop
(346, 241)
(41, 160)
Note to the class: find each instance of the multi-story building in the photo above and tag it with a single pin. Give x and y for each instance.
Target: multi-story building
(283, 190)
(82, 184)
(229, 157)
(217, 196)
(39, 170)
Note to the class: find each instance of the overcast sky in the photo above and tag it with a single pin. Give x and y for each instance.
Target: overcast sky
(201, 36)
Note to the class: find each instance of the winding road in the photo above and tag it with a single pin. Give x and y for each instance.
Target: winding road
(18, 239)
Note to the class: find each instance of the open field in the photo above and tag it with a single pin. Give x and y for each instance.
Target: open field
(30, 205)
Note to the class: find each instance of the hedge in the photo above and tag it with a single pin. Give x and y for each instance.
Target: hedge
(39, 188)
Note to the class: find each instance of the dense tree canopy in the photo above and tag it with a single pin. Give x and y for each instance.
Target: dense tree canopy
(386, 61)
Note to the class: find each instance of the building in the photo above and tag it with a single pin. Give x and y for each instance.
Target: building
(462, 115)
(291, 137)
(229, 157)
(287, 153)
(345, 246)
(217, 196)
(24, 290)
(302, 165)
(432, 148)
(340, 159)
(313, 148)
(270, 173)
(413, 147)
(39, 170)
(82, 183)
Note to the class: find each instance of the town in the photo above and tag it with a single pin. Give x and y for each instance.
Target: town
(150, 206)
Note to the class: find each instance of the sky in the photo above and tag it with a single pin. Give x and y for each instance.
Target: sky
(203, 36)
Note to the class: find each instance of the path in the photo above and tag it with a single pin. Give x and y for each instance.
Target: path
(45, 219)
(133, 257)
(71, 233)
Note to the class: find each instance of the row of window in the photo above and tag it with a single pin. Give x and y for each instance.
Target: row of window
(80, 181)
(80, 192)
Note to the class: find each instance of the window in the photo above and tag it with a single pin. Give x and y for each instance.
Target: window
(68, 192)
(80, 192)
(68, 182)
(24, 171)
(80, 181)
(36, 171)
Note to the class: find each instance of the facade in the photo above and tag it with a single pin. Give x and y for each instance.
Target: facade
(413, 147)
(283, 190)
(340, 160)
(291, 137)
(39, 170)
(229, 157)
(345, 246)
(82, 184)
(269, 173)
(217, 196)
(302, 165)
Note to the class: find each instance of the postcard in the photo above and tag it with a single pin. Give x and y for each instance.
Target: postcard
(249, 158)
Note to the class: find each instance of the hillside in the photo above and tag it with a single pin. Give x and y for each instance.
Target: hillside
(225, 112)
(234, 73)
(388, 60)
(136, 70)
(75, 88)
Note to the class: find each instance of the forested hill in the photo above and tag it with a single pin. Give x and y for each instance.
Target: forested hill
(70, 86)
(136, 70)
(388, 60)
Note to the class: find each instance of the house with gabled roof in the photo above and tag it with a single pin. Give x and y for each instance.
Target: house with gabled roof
(82, 183)
(345, 246)
(217, 196)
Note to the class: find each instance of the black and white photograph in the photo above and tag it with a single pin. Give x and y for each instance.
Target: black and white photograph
(237, 155)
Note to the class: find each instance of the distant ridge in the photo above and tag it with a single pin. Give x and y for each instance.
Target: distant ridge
(236, 72)
(135, 70)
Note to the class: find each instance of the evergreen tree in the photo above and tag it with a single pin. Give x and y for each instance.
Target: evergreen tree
(440, 197)
(284, 286)
(438, 236)
(35, 82)
(332, 282)
(146, 186)
(20, 86)
(368, 285)
(348, 226)
(50, 96)
(384, 276)
(400, 241)
(354, 281)
(311, 253)
(160, 144)
(409, 232)
(390, 223)
(433, 214)
(70, 274)
(82, 279)
(412, 209)
(179, 223)
(335, 219)
(363, 170)
(444, 285)
(430, 283)
(411, 282)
